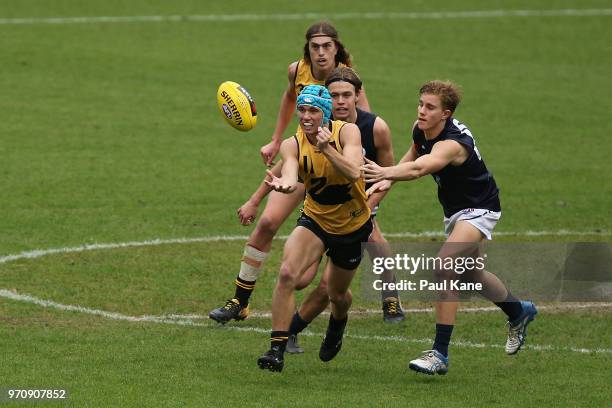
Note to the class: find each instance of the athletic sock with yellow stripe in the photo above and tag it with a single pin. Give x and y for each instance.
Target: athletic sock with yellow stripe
(278, 340)
(243, 291)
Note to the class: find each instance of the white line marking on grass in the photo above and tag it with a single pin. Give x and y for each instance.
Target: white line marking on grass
(188, 320)
(37, 253)
(368, 312)
(80, 309)
(175, 320)
(214, 18)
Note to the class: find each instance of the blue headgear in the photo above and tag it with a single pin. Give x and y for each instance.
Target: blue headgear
(319, 97)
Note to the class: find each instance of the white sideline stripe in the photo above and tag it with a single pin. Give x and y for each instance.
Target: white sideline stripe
(368, 312)
(309, 16)
(188, 322)
(36, 253)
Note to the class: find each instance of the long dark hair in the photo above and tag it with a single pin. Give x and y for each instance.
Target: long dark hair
(324, 28)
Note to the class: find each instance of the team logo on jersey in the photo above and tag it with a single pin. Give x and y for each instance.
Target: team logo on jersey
(357, 213)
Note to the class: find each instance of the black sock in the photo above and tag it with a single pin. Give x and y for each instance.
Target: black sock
(278, 340)
(443, 336)
(297, 324)
(243, 291)
(336, 326)
(511, 307)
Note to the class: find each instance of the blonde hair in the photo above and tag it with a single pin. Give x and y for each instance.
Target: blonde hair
(448, 91)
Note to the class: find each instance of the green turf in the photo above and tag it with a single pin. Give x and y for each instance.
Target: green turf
(110, 133)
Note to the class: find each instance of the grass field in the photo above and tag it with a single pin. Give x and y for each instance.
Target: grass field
(110, 134)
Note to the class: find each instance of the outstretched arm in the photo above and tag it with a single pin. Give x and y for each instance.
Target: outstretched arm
(285, 114)
(442, 154)
(287, 183)
(385, 185)
(248, 211)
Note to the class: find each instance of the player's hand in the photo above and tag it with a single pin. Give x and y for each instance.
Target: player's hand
(269, 152)
(383, 185)
(278, 184)
(247, 213)
(373, 172)
(323, 137)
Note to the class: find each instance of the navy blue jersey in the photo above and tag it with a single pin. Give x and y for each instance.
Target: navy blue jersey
(365, 123)
(469, 185)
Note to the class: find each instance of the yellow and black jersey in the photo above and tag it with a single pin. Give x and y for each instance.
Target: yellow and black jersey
(338, 205)
(304, 76)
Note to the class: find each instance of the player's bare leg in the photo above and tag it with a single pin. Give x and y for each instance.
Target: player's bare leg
(461, 242)
(466, 240)
(308, 275)
(317, 301)
(301, 250)
(313, 305)
(341, 298)
(278, 207)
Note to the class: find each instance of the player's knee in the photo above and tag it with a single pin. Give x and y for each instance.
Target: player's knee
(287, 276)
(340, 298)
(267, 227)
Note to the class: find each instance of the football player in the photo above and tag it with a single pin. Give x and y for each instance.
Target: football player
(345, 88)
(445, 148)
(326, 155)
